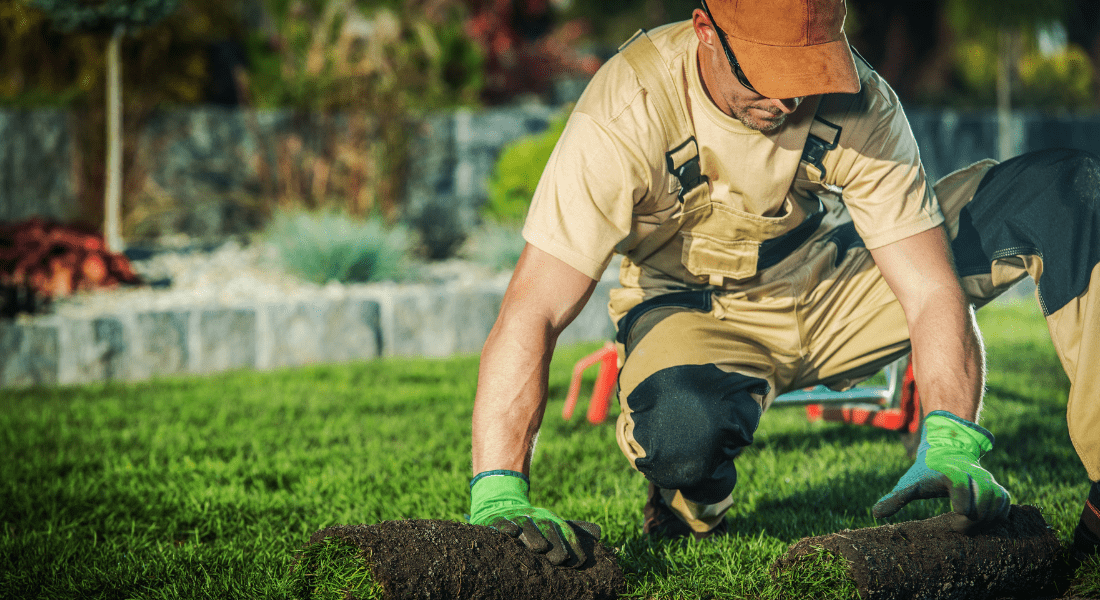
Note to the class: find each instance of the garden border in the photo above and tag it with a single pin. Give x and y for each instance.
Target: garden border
(362, 323)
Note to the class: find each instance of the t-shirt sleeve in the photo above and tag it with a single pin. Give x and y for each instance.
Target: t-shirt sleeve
(884, 184)
(584, 201)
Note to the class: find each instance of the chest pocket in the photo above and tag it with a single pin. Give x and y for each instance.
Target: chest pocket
(721, 242)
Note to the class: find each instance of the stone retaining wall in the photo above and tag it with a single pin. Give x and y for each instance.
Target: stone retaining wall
(365, 323)
(37, 164)
(197, 156)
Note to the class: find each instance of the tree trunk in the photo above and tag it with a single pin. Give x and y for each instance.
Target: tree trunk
(112, 232)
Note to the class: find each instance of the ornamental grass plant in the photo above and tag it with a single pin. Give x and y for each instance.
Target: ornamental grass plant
(324, 246)
(207, 487)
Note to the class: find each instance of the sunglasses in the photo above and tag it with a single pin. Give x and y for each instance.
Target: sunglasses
(736, 66)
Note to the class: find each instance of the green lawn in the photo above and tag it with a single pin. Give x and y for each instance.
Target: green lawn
(205, 487)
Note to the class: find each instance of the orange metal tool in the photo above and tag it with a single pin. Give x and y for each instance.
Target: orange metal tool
(608, 359)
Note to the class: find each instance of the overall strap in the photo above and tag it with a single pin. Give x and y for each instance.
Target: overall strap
(823, 137)
(682, 158)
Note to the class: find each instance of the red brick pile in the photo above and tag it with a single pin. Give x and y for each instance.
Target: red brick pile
(40, 260)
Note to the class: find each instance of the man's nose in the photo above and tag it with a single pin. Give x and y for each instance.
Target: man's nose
(787, 105)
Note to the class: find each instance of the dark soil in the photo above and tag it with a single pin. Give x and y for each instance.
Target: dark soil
(1017, 558)
(430, 559)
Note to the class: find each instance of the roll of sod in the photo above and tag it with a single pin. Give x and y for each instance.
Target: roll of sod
(430, 559)
(1016, 558)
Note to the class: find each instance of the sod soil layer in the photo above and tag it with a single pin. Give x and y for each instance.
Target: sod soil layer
(431, 559)
(1016, 558)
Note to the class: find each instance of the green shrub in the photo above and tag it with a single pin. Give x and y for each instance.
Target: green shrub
(326, 246)
(517, 173)
(1063, 79)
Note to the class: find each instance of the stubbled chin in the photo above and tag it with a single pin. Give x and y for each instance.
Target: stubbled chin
(761, 125)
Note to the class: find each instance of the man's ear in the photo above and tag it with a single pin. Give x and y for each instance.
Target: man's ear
(703, 28)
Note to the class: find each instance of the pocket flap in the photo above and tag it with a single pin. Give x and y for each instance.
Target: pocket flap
(704, 255)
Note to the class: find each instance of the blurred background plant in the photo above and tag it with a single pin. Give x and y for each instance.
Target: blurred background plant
(517, 171)
(323, 246)
(495, 245)
(498, 241)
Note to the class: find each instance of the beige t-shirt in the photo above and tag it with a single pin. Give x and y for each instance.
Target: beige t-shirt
(606, 185)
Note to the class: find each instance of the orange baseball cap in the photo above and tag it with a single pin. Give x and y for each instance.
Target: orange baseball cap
(789, 48)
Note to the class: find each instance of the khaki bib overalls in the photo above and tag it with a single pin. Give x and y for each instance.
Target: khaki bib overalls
(806, 306)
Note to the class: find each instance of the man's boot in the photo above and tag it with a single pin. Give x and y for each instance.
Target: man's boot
(661, 521)
(1086, 537)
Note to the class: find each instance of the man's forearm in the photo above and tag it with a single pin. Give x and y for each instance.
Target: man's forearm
(543, 297)
(511, 397)
(948, 357)
(948, 360)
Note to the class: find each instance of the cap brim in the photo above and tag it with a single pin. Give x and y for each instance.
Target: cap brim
(794, 72)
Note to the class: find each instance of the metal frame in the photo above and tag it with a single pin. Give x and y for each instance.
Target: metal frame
(880, 396)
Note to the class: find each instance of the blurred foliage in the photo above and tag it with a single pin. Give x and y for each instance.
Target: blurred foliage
(41, 60)
(324, 246)
(104, 16)
(513, 182)
(986, 17)
(381, 62)
(496, 245)
(385, 56)
(614, 21)
(1061, 80)
(309, 54)
(1064, 80)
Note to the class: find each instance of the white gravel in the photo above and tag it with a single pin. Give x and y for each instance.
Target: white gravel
(236, 274)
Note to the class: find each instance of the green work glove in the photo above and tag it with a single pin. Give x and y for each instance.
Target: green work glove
(499, 499)
(947, 466)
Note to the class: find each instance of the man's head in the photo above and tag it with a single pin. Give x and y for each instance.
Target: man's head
(759, 58)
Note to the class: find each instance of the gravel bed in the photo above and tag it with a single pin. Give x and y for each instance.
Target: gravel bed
(244, 274)
(241, 274)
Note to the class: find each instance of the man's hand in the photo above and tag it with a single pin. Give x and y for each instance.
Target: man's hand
(947, 466)
(499, 499)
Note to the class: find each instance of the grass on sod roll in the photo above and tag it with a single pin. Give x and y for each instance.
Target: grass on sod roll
(205, 487)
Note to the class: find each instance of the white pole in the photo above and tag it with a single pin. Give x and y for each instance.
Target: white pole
(1006, 54)
(112, 230)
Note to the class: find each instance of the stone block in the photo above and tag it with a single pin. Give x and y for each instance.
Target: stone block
(949, 140)
(37, 167)
(159, 344)
(492, 129)
(29, 353)
(423, 322)
(225, 340)
(593, 323)
(477, 310)
(110, 337)
(92, 350)
(1053, 131)
(290, 334)
(318, 332)
(353, 330)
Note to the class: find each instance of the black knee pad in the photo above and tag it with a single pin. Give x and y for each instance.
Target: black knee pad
(692, 420)
(1044, 203)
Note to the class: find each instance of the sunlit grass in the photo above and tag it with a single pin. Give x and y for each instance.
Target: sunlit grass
(207, 487)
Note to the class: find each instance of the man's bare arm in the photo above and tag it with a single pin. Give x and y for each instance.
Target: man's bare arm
(543, 297)
(949, 365)
(948, 359)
